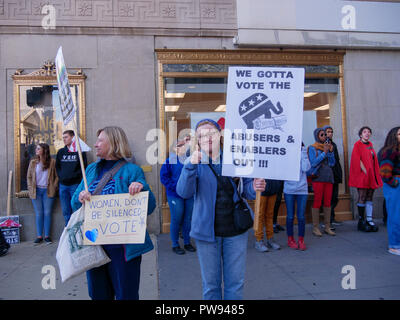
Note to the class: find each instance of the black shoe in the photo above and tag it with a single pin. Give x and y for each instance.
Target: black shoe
(38, 241)
(280, 228)
(47, 240)
(189, 248)
(372, 226)
(178, 250)
(363, 226)
(336, 223)
(276, 230)
(3, 251)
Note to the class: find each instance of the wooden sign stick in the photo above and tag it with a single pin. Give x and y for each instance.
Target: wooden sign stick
(256, 224)
(80, 155)
(9, 193)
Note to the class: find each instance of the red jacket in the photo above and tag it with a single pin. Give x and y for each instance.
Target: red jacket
(357, 178)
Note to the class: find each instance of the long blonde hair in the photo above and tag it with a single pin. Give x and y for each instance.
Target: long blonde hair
(119, 146)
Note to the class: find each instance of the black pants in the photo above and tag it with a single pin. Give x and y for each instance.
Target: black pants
(117, 279)
(277, 204)
(335, 200)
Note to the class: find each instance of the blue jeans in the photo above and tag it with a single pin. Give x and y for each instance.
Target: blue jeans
(66, 193)
(181, 216)
(226, 257)
(43, 206)
(392, 197)
(301, 200)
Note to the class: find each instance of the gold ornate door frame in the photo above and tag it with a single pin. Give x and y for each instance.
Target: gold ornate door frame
(289, 57)
(46, 76)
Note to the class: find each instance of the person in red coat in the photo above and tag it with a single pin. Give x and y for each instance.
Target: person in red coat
(364, 175)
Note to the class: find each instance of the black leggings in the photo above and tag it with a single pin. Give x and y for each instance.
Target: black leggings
(365, 195)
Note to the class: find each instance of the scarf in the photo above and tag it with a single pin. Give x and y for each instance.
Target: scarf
(318, 146)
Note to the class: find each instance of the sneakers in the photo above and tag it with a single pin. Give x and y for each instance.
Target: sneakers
(47, 240)
(189, 248)
(302, 245)
(292, 243)
(259, 245)
(38, 241)
(394, 251)
(272, 244)
(178, 250)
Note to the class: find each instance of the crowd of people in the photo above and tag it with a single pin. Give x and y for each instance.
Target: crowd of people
(205, 205)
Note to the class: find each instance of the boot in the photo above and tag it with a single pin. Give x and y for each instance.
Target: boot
(291, 242)
(315, 220)
(302, 245)
(362, 224)
(327, 220)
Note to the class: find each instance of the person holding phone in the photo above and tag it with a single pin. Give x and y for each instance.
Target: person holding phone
(221, 247)
(181, 209)
(364, 175)
(322, 161)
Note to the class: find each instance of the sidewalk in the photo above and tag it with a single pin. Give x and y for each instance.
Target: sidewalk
(292, 274)
(285, 274)
(21, 275)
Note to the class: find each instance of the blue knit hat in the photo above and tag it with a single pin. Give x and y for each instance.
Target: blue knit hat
(326, 127)
(208, 120)
(316, 133)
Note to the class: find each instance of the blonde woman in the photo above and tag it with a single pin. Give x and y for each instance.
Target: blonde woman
(120, 278)
(42, 186)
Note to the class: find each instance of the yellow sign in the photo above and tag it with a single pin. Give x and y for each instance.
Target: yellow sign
(116, 219)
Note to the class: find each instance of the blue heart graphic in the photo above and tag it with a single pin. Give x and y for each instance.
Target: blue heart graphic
(92, 234)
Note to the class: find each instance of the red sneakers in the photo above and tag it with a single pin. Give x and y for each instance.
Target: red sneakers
(302, 245)
(292, 243)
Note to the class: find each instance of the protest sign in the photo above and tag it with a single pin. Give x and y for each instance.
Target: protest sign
(67, 104)
(116, 219)
(264, 118)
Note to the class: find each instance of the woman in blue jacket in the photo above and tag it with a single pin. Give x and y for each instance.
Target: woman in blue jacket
(322, 160)
(181, 209)
(221, 248)
(297, 192)
(119, 278)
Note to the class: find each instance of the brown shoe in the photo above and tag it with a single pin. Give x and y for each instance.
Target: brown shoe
(327, 221)
(315, 220)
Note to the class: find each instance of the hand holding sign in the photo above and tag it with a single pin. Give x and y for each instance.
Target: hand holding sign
(135, 187)
(84, 196)
(259, 184)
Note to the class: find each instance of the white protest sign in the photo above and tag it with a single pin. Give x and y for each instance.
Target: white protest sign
(264, 118)
(66, 102)
(116, 219)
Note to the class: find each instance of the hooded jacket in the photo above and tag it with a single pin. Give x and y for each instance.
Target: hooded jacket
(364, 152)
(321, 162)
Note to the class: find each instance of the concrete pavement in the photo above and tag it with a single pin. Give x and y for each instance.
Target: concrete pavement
(285, 274)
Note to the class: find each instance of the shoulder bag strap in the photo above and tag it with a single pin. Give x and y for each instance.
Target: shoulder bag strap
(108, 176)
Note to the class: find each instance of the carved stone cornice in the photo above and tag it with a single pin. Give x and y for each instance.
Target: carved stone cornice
(46, 72)
(255, 56)
(173, 14)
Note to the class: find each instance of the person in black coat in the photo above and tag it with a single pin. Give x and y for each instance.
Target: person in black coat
(337, 175)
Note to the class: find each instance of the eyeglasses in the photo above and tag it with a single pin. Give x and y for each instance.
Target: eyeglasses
(322, 134)
(213, 134)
